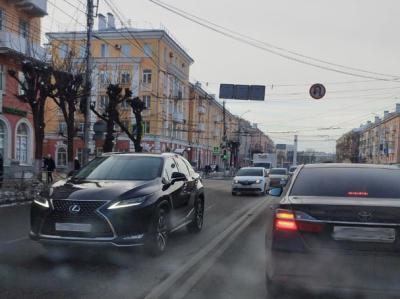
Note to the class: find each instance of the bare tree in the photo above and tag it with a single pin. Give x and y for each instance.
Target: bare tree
(68, 90)
(111, 115)
(36, 87)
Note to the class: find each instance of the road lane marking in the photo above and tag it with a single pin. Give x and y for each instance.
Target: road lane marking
(209, 207)
(192, 280)
(15, 240)
(165, 285)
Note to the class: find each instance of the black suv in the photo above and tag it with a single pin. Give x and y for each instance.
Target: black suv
(121, 200)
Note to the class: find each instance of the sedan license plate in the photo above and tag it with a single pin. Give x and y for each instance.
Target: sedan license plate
(74, 227)
(364, 234)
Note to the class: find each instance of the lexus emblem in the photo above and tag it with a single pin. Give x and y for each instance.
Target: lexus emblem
(74, 209)
(364, 216)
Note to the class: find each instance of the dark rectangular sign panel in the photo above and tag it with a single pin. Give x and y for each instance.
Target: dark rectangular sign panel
(242, 92)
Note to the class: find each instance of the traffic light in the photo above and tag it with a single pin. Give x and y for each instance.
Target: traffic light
(224, 155)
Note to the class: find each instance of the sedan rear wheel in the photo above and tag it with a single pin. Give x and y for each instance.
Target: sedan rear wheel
(157, 242)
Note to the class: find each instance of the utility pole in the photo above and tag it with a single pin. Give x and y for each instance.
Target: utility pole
(88, 79)
(224, 137)
(295, 151)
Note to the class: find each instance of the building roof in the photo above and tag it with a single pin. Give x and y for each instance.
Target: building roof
(128, 33)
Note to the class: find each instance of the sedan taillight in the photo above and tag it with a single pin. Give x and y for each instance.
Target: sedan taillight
(288, 220)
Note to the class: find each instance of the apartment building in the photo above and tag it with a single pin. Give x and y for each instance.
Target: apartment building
(20, 32)
(347, 147)
(148, 61)
(379, 140)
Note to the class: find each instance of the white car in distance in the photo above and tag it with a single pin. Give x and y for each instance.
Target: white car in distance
(250, 179)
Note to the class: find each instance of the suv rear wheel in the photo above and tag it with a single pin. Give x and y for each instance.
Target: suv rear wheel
(197, 224)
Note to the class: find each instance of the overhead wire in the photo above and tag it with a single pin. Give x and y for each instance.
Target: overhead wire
(275, 52)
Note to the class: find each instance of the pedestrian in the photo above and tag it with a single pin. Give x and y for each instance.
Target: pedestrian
(50, 166)
(77, 165)
(216, 168)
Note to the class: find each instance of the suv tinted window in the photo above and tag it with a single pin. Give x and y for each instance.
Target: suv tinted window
(122, 167)
(182, 166)
(345, 182)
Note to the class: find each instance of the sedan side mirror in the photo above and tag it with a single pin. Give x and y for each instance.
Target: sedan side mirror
(178, 177)
(275, 192)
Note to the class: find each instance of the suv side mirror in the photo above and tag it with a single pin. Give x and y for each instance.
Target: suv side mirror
(178, 177)
(275, 192)
(71, 173)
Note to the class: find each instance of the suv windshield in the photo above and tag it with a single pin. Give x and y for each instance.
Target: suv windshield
(121, 167)
(250, 172)
(278, 171)
(344, 182)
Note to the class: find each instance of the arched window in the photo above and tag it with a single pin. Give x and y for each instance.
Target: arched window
(21, 149)
(61, 157)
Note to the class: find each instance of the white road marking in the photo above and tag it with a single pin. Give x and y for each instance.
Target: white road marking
(241, 223)
(209, 207)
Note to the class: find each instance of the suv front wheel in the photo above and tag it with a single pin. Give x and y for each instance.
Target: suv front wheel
(157, 242)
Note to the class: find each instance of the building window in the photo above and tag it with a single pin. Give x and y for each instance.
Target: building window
(126, 50)
(81, 128)
(165, 55)
(147, 50)
(147, 77)
(2, 78)
(24, 28)
(21, 149)
(21, 78)
(125, 77)
(146, 127)
(147, 101)
(2, 19)
(103, 103)
(62, 128)
(63, 51)
(103, 78)
(61, 157)
(104, 50)
(82, 51)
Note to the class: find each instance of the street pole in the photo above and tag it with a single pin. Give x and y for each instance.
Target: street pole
(224, 137)
(88, 78)
(295, 151)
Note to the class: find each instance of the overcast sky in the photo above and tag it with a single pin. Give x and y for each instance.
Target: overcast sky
(360, 34)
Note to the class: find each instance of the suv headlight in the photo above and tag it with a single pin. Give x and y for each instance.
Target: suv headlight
(236, 181)
(41, 201)
(128, 203)
(258, 181)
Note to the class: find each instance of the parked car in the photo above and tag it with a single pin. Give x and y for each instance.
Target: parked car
(277, 177)
(336, 228)
(250, 179)
(122, 200)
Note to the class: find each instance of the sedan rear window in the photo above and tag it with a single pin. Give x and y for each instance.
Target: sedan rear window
(122, 168)
(348, 182)
(250, 172)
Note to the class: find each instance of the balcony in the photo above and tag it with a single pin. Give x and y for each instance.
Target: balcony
(201, 127)
(36, 8)
(11, 42)
(201, 110)
(177, 117)
(177, 72)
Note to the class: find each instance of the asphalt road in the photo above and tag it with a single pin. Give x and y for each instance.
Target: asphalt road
(234, 228)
